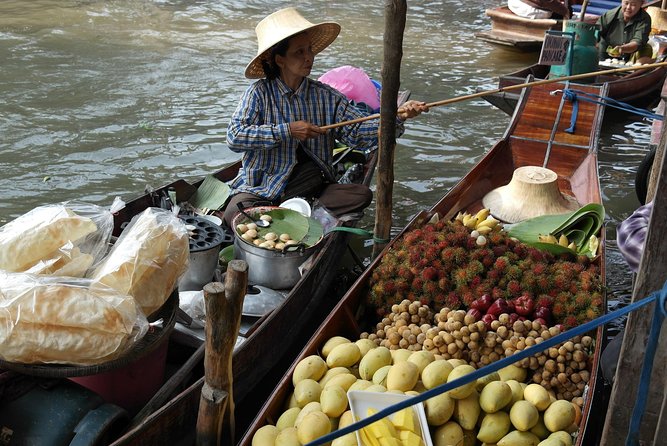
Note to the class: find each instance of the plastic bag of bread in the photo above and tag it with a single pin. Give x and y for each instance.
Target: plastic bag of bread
(58, 239)
(66, 321)
(148, 259)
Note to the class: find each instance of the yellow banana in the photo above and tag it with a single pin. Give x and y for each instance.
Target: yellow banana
(466, 218)
(572, 246)
(593, 245)
(549, 238)
(482, 214)
(563, 241)
(471, 223)
(488, 221)
(459, 216)
(483, 229)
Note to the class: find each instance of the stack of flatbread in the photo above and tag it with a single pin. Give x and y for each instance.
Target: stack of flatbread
(151, 254)
(43, 241)
(47, 320)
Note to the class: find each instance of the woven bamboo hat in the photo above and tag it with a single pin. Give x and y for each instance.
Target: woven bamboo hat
(533, 191)
(658, 19)
(283, 24)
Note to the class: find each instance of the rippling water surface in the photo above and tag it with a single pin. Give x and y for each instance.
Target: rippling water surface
(100, 98)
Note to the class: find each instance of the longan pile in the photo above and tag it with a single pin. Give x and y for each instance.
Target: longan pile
(453, 334)
(405, 327)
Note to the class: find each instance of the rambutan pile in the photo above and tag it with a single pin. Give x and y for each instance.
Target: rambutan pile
(441, 265)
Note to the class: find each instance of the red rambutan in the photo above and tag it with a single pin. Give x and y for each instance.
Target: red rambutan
(430, 273)
(501, 263)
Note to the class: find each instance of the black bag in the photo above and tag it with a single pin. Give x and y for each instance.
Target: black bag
(306, 181)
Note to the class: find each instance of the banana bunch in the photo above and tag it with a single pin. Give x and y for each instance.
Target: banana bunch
(482, 221)
(562, 241)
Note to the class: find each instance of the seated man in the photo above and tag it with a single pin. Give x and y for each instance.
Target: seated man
(539, 9)
(624, 33)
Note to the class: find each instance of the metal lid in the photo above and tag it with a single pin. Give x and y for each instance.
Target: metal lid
(261, 300)
(206, 234)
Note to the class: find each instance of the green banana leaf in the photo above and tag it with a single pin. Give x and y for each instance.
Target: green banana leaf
(315, 232)
(303, 229)
(212, 194)
(581, 227)
(286, 221)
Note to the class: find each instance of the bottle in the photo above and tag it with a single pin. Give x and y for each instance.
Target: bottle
(352, 174)
(165, 201)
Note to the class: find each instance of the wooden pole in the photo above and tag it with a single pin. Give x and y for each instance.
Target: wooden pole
(394, 25)
(659, 151)
(651, 277)
(479, 94)
(224, 304)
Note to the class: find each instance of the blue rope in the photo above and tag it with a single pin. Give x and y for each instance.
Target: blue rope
(610, 102)
(658, 296)
(571, 96)
(645, 377)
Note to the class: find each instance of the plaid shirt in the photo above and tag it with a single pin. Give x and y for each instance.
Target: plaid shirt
(259, 129)
(631, 233)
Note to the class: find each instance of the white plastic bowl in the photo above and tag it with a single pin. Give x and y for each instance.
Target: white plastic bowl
(297, 204)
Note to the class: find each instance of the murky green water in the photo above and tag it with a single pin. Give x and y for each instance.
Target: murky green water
(100, 98)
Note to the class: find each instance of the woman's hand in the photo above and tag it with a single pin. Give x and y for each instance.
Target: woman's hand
(411, 108)
(303, 130)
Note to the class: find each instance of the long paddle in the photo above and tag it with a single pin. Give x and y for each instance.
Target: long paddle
(508, 88)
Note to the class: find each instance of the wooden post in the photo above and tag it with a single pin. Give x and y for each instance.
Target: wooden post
(651, 277)
(224, 304)
(394, 25)
(659, 153)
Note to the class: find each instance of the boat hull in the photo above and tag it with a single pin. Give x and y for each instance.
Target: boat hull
(272, 341)
(640, 88)
(531, 139)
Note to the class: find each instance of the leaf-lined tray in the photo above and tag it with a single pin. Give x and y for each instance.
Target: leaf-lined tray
(153, 339)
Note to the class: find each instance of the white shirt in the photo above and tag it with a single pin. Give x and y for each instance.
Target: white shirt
(523, 10)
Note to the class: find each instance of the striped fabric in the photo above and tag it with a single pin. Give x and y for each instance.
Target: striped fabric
(259, 129)
(631, 234)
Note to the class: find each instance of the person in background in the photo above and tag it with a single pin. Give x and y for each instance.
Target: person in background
(624, 33)
(277, 123)
(540, 9)
(630, 238)
(631, 233)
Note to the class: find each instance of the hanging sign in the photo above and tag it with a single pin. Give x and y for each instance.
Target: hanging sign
(554, 50)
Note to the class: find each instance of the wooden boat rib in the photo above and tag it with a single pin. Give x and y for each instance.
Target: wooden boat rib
(639, 87)
(527, 141)
(271, 337)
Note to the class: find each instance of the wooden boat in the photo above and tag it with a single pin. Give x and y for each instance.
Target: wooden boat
(637, 87)
(268, 344)
(524, 34)
(532, 138)
(509, 29)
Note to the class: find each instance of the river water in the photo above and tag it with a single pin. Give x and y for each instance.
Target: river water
(99, 98)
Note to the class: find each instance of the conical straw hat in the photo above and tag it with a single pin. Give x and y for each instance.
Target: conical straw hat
(532, 192)
(283, 24)
(658, 18)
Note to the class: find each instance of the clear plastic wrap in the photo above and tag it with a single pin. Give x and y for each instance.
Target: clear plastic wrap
(58, 239)
(65, 320)
(148, 259)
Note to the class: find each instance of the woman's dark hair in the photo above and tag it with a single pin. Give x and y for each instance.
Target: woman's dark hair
(271, 69)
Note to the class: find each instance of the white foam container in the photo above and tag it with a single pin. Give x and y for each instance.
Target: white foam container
(360, 401)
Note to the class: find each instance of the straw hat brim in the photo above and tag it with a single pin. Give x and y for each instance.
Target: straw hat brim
(520, 199)
(658, 17)
(321, 36)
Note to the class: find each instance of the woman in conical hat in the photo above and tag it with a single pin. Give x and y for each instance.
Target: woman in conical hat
(276, 125)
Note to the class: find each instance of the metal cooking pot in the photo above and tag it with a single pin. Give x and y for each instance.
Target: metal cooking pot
(206, 240)
(277, 270)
